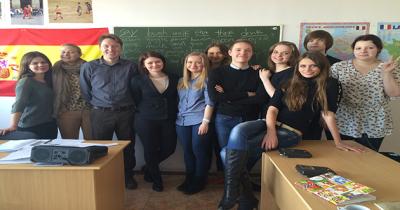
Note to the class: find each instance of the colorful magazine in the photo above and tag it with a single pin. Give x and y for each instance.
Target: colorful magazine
(336, 189)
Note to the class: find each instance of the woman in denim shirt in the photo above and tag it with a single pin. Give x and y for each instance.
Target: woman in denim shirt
(195, 110)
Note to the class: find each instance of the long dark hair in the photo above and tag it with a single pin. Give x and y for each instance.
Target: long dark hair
(149, 54)
(25, 71)
(224, 50)
(297, 88)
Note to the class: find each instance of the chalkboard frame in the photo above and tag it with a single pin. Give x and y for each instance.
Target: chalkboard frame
(184, 40)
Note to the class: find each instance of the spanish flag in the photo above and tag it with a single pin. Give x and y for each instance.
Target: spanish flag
(14, 43)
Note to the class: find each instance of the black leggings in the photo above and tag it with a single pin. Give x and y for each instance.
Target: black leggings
(158, 138)
(43, 131)
(372, 143)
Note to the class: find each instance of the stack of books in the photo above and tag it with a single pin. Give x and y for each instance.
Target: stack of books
(337, 189)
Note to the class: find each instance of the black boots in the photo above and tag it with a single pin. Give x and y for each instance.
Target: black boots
(158, 184)
(188, 178)
(197, 184)
(192, 184)
(146, 174)
(153, 175)
(235, 162)
(247, 200)
(130, 182)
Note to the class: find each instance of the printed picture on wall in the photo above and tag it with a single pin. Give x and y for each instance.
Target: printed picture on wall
(389, 32)
(73, 11)
(343, 35)
(26, 12)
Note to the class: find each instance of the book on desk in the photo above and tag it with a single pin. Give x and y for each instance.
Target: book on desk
(337, 189)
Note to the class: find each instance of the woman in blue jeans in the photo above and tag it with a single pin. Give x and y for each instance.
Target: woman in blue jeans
(309, 93)
(194, 113)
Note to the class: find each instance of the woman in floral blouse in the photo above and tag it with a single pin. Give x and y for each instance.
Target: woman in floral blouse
(368, 83)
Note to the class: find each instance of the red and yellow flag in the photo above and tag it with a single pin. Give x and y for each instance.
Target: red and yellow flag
(14, 43)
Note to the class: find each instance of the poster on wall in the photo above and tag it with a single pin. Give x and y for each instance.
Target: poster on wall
(389, 32)
(343, 35)
(1, 11)
(28, 12)
(73, 11)
(15, 42)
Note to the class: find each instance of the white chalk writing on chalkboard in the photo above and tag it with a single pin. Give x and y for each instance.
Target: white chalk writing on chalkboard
(175, 42)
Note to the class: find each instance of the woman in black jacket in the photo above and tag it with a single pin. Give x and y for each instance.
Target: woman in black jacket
(155, 95)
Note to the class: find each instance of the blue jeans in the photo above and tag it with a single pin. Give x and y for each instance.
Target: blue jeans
(196, 149)
(248, 136)
(19, 135)
(223, 127)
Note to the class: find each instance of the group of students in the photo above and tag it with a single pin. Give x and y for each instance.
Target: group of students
(220, 101)
(305, 99)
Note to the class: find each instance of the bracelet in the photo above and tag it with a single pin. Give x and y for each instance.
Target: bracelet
(206, 120)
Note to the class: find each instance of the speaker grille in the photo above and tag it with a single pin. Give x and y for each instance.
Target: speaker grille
(78, 156)
(41, 154)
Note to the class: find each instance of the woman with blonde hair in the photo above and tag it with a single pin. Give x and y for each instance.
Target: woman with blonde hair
(192, 125)
(70, 108)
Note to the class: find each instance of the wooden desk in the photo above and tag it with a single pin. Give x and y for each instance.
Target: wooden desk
(99, 185)
(369, 168)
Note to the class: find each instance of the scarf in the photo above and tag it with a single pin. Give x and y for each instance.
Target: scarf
(61, 84)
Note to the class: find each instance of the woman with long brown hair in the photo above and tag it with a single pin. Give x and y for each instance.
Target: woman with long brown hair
(32, 112)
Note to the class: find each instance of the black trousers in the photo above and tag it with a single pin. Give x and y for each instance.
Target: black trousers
(372, 143)
(159, 140)
(104, 123)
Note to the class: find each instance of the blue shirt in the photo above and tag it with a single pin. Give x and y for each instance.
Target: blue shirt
(192, 103)
(107, 85)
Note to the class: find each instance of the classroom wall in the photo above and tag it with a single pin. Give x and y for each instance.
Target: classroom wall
(289, 13)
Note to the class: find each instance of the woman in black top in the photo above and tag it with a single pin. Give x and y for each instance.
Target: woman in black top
(217, 54)
(309, 93)
(155, 95)
(319, 41)
(282, 57)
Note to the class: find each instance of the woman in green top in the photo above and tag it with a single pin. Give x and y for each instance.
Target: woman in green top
(32, 112)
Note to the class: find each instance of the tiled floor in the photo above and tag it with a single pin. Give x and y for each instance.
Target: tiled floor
(144, 198)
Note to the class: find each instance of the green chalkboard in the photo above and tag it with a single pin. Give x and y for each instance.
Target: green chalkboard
(176, 42)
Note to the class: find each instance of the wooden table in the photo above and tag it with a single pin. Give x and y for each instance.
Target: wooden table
(369, 168)
(99, 185)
